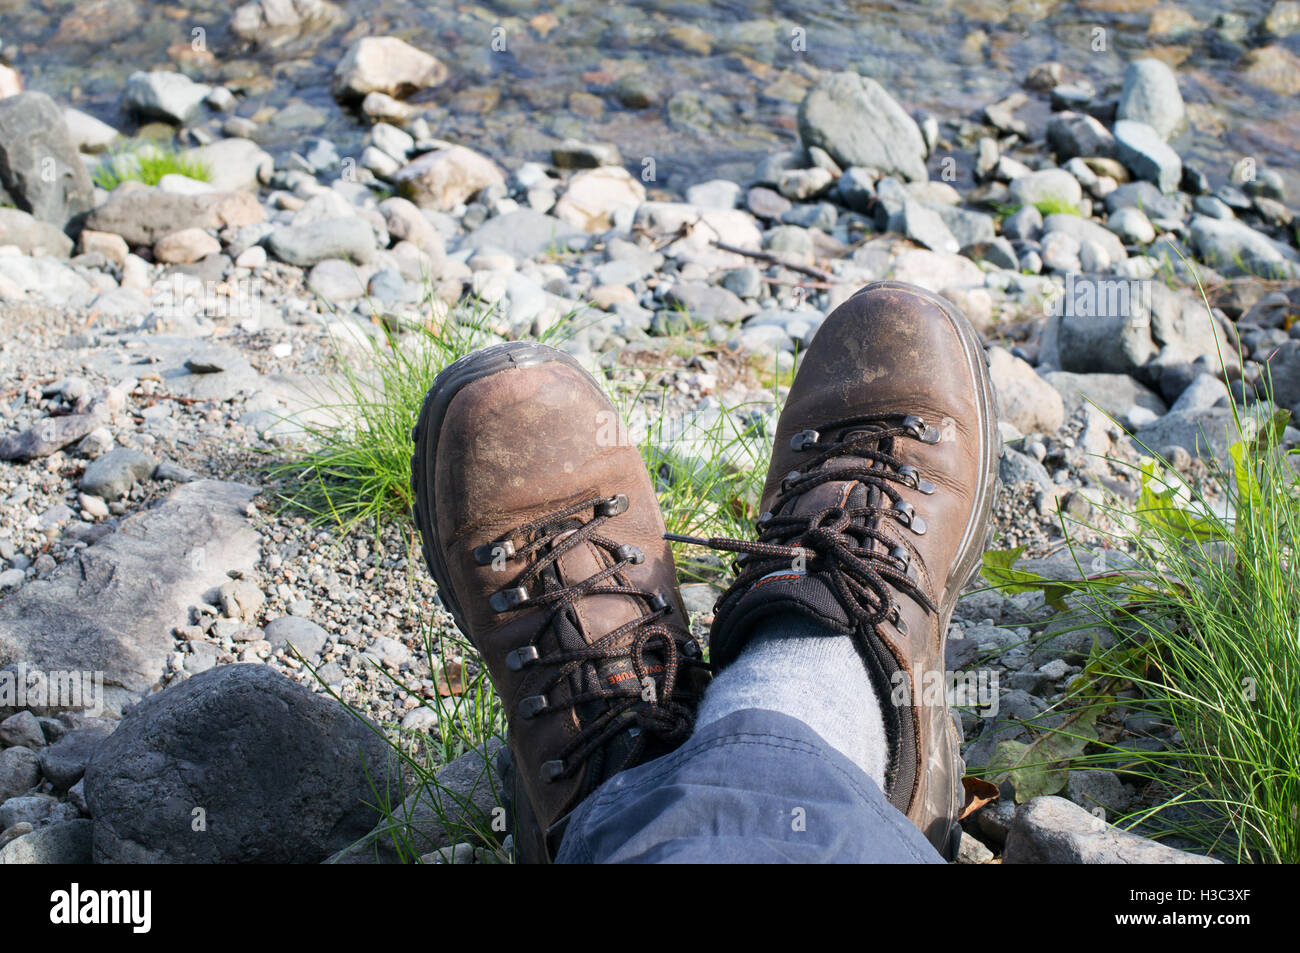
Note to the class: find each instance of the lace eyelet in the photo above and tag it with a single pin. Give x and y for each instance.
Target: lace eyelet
(909, 517)
(803, 440)
(613, 506)
(532, 706)
(522, 657)
(508, 599)
(629, 553)
(552, 771)
(903, 555)
(659, 603)
(914, 425)
(488, 553)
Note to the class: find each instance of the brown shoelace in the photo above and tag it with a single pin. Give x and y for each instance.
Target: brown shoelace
(840, 542)
(664, 715)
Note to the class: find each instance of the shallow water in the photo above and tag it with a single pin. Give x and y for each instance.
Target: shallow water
(723, 79)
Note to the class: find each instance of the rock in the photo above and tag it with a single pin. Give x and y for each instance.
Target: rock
(1275, 68)
(971, 851)
(1286, 375)
(1206, 433)
(1052, 830)
(1150, 95)
(574, 154)
(966, 225)
(234, 164)
(349, 238)
(858, 123)
(1047, 185)
(33, 810)
(11, 83)
(716, 193)
(31, 235)
(64, 762)
(48, 435)
(935, 271)
(1071, 134)
(1234, 248)
(706, 302)
(111, 476)
(1132, 226)
(112, 247)
(187, 245)
(1024, 224)
(1097, 789)
(20, 771)
(385, 64)
(143, 215)
(1024, 398)
(276, 773)
(163, 94)
(64, 843)
(117, 600)
(595, 195)
(293, 632)
(39, 164)
(524, 234)
(1147, 156)
(21, 729)
(702, 226)
(443, 179)
(461, 801)
(271, 23)
(1115, 394)
(241, 599)
(1085, 230)
(926, 227)
(88, 134)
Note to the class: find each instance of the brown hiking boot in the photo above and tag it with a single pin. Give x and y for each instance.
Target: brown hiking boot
(543, 532)
(875, 514)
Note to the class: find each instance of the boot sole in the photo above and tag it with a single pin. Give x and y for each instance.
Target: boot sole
(529, 839)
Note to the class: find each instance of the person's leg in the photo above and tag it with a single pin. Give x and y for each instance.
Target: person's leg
(787, 763)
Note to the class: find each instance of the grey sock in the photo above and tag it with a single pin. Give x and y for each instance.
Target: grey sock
(792, 667)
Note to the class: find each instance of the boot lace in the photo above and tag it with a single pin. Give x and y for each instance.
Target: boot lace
(852, 547)
(637, 704)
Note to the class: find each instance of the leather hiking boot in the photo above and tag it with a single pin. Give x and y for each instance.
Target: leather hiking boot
(541, 527)
(875, 514)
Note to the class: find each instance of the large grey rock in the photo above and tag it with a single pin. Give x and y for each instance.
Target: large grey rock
(1206, 433)
(1115, 394)
(268, 24)
(64, 843)
(349, 238)
(1147, 155)
(1186, 330)
(1285, 367)
(1232, 247)
(32, 235)
(524, 234)
(1046, 185)
(195, 370)
(269, 771)
(1024, 398)
(1052, 830)
(112, 607)
(46, 278)
(234, 164)
(64, 762)
(1151, 95)
(21, 729)
(1072, 134)
(924, 225)
(142, 215)
(1112, 335)
(20, 771)
(858, 123)
(39, 164)
(1149, 199)
(460, 804)
(164, 94)
(111, 476)
(1085, 230)
(705, 302)
(292, 632)
(48, 435)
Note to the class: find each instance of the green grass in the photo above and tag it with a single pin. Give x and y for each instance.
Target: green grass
(1207, 627)
(148, 164)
